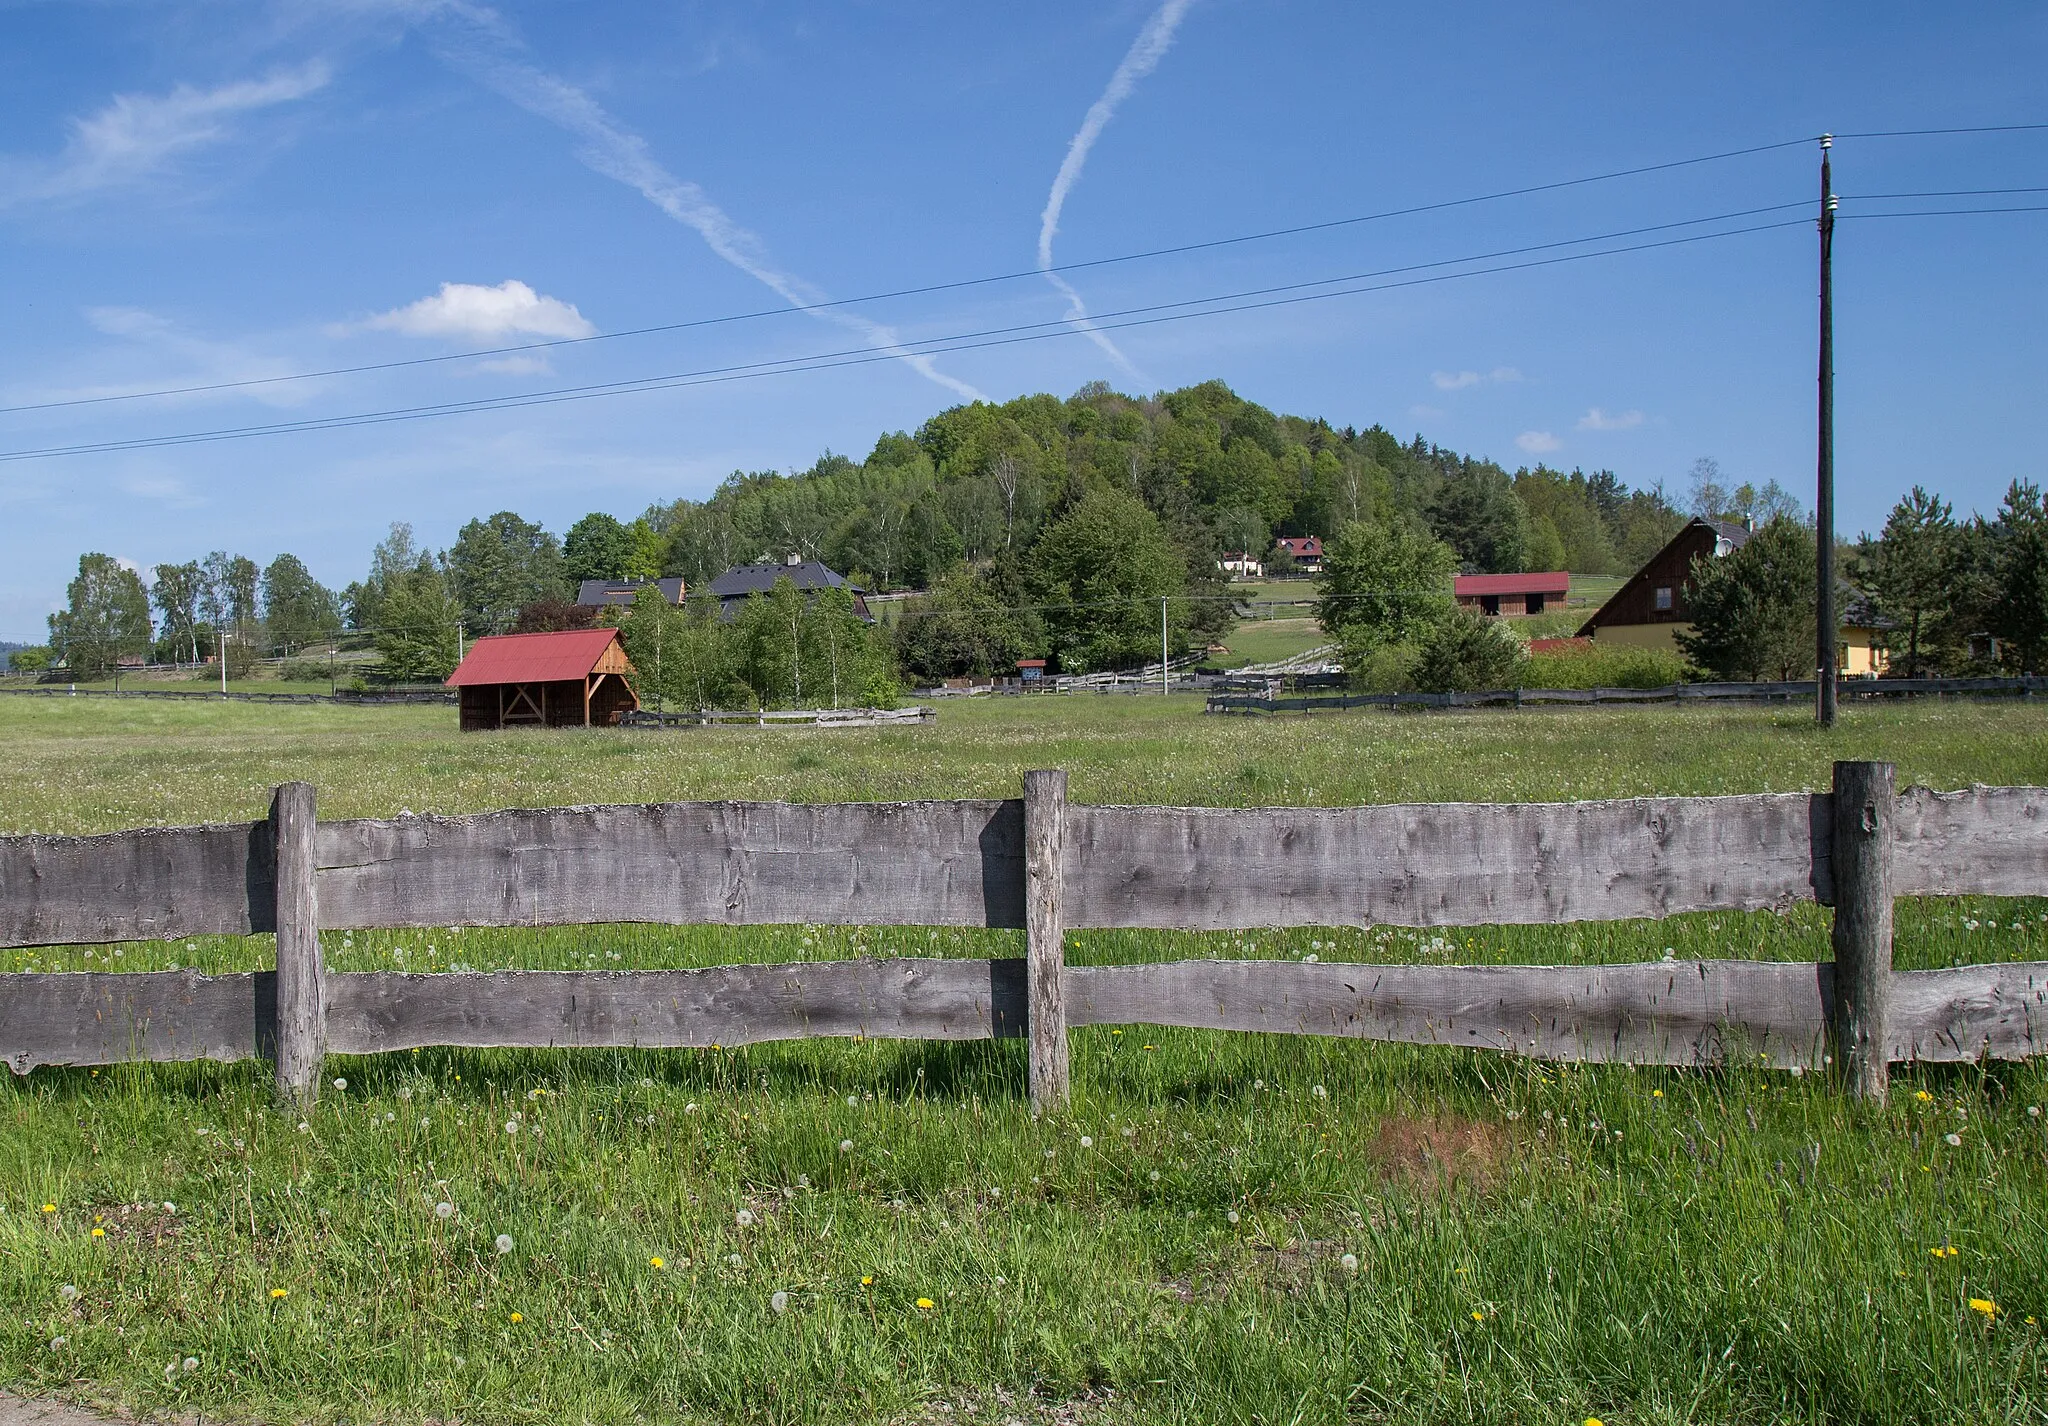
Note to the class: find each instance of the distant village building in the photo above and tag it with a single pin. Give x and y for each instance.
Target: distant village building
(1241, 566)
(1651, 609)
(1303, 553)
(1512, 593)
(734, 587)
(576, 678)
(601, 593)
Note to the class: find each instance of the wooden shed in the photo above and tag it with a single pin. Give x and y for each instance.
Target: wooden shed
(572, 679)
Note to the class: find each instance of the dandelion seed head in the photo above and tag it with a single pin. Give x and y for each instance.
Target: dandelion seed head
(1232, 1218)
(846, 1146)
(68, 1293)
(503, 1243)
(745, 1218)
(1086, 1142)
(1319, 1092)
(340, 1082)
(1954, 1141)
(190, 1364)
(444, 1209)
(734, 1260)
(778, 1303)
(1349, 1262)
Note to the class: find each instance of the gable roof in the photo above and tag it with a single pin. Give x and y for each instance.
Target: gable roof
(1299, 545)
(760, 576)
(597, 593)
(1468, 586)
(535, 658)
(1692, 531)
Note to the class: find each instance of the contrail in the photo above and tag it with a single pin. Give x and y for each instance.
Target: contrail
(1143, 57)
(619, 154)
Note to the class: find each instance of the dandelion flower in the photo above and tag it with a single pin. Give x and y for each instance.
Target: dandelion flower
(1656, 1094)
(925, 1304)
(656, 1262)
(99, 1232)
(277, 1292)
(1231, 1217)
(1984, 1305)
(846, 1146)
(745, 1218)
(49, 1208)
(511, 1126)
(1478, 1316)
(1086, 1142)
(1595, 1421)
(340, 1083)
(518, 1317)
(503, 1243)
(778, 1303)
(1349, 1262)
(867, 1281)
(1922, 1095)
(444, 1210)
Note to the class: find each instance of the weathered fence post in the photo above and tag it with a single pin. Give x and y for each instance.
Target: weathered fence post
(1045, 929)
(301, 977)
(1864, 803)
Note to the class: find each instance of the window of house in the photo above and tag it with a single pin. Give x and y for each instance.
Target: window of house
(1663, 597)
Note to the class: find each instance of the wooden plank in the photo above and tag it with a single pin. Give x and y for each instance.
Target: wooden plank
(1454, 864)
(1998, 1012)
(105, 1018)
(1983, 841)
(131, 886)
(1045, 925)
(694, 863)
(301, 973)
(1666, 1012)
(1864, 810)
(1670, 1012)
(902, 997)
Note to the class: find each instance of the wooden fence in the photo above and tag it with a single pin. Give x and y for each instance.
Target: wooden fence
(214, 695)
(1849, 690)
(1045, 865)
(777, 717)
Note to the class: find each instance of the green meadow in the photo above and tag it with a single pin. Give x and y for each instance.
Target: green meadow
(1220, 1228)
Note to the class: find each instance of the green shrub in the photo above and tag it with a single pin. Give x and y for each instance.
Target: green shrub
(1468, 652)
(1590, 666)
(303, 671)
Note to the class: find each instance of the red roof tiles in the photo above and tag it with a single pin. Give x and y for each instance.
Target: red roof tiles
(533, 658)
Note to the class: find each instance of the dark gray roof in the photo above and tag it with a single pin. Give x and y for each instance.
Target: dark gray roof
(597, 593)
(759, 577)
(1736, 535)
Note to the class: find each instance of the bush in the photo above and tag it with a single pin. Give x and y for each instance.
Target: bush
(303, 671)
(29, 660)
(1468, 652)
(1591, 666)
(1382, 668)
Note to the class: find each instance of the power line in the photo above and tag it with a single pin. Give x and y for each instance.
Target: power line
(1945, 212)
(969, 341)
(953, 286)
(1930, 133)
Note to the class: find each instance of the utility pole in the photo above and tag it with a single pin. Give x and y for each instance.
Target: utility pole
(1163, 688)
(1824, 503)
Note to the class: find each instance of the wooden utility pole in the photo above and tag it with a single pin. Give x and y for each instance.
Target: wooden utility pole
(1824, 503)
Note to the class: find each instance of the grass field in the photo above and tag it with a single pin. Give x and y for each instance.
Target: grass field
(1221, 1228)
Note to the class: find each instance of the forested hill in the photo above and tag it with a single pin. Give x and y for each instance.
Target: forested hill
(1219, 474)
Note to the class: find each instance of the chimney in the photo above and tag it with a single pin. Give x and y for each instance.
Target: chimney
(792, 559)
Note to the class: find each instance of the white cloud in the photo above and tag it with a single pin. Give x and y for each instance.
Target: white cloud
(1140, 60)
(1598, 420)
(1459, 380)
(465, 311)
(1538, 442)
(137, 135)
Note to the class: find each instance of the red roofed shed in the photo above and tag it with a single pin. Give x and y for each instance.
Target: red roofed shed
(572, 679)
(1511, 593)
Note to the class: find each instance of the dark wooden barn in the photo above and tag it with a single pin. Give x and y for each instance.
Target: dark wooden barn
(573, 679)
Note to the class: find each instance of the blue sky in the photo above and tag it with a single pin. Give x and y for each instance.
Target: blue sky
(199, 194)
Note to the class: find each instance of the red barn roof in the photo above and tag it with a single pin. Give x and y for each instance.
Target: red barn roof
(1555, 581)
(534, 658)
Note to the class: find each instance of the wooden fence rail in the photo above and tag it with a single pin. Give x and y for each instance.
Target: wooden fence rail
(1043, 865)
(1239, 700)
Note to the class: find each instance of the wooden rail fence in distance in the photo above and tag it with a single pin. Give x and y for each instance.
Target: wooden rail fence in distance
(1043, 865)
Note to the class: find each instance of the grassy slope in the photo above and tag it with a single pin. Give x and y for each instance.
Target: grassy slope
(1638, 1244)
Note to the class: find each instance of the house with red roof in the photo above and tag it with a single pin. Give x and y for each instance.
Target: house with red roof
(1512, 593)
(576, 678)
(1300, 554)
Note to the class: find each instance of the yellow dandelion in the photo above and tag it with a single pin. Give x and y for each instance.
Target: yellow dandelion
(1923, 1096)
(925, 1304)
(99, 1232)
(1984, 1305)
(518, 1317)
(867, 1282)
(277, 1292)
(1478, 1316)
(1595, 1421)
(49, 1208)
(1947, 1250)
(1656, 1094)
(656, 1263)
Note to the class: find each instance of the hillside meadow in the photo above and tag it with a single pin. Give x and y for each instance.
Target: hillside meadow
(1221, 1228)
